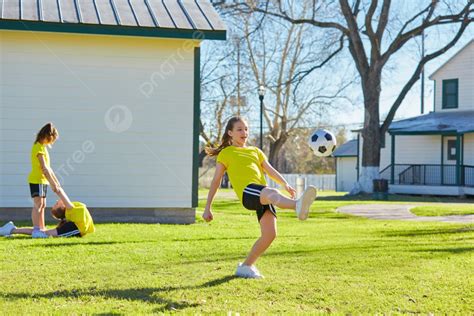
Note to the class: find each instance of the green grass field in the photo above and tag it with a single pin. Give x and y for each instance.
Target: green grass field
(331, 263)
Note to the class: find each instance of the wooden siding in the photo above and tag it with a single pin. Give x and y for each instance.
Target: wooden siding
(469, 149)
(461, 67)
(346, 173)
(73, 81)
(412, 149)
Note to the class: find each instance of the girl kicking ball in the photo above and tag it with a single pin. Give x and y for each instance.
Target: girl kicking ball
(246, 166)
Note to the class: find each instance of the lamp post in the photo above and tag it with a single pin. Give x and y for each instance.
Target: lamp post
(261, 94)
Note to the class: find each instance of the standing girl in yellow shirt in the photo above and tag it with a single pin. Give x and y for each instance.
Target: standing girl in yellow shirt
(41, 176)
(246, 167)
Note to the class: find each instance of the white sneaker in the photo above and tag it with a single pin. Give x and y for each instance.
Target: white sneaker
(250, 272)
(6, 229)
(304, 202)
(39, 234)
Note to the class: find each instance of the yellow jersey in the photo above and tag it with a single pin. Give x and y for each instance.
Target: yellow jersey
(36, 175)
(244, 166)
(80, 216)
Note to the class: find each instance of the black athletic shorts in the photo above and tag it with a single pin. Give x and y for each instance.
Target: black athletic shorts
(69, 229)
(251, 200)
(39, 190)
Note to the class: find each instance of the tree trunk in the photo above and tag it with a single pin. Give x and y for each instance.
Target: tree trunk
(202, 155)
(275, 149)
(370, 134)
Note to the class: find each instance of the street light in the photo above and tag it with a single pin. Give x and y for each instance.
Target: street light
(261, 94)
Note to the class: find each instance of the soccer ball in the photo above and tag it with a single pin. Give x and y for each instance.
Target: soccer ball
(322, 142)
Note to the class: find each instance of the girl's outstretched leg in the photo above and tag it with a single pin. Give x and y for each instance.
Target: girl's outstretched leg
(268, 230)
(301, 205)
(273, 196)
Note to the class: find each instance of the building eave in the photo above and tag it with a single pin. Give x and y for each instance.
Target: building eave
(81, 28)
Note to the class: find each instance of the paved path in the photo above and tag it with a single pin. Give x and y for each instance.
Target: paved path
(399, 212)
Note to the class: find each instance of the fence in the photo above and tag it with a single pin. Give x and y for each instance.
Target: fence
(429, 174)
(326, 182)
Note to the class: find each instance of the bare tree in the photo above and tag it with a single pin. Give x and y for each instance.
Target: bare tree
(374, 37)
(278, 56)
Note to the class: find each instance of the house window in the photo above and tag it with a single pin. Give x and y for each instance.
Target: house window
(450, 94)
(451, 149)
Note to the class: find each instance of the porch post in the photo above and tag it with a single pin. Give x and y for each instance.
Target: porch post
(442, 159)
(392, 163)
(463, 180)
(358, 153)
(458, 159)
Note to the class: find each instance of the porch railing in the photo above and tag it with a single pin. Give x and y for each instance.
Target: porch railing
(429, 174)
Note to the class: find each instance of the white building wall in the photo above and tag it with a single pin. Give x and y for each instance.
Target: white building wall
(468, 160)
(105, 156)
(415, 149)
(469, 149)
(461, 67)
(346, 173)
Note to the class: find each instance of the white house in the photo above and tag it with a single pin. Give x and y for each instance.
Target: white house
(346, 165)
(433, 154)
(120, 80)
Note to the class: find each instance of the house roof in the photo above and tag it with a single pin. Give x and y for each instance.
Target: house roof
(455, 122)
(348, 149)
(195, 19)
(454, 56)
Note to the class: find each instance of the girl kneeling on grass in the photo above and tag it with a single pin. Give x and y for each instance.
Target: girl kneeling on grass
(246, 166)
(75, 220)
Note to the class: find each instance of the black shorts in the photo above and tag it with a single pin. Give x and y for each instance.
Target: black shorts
(69, 229)
(39, 190)
(251, 200)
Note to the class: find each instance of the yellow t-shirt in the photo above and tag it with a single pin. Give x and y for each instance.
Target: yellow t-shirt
(36, 175)
(244, 166)
(80, 216)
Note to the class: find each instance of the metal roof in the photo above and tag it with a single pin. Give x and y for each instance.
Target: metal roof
(459, 122)
(187, 16)
(348, 149)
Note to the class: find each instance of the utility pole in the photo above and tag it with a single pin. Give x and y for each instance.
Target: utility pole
(423, 73)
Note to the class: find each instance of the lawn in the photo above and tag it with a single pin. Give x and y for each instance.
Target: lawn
(331, 263)
(438, 210)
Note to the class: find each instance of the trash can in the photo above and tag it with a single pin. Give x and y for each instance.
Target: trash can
(380, 189)
(225, 181)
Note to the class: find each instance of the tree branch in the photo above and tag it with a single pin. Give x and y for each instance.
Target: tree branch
(245, 7)
(401, 39)
(416, 74)
(383, 20)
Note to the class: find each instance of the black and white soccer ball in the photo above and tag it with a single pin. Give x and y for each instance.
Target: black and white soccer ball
(322, 142)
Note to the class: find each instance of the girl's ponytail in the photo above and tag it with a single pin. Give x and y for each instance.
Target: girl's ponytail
(48, 132)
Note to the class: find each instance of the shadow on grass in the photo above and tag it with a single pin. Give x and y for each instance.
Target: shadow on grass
(285, 254)
(426, 232)
(454, 250)
(89, 243)
(147, 295)
(232, 238)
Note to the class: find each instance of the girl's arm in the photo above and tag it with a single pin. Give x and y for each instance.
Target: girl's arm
(275, 175)
(63, 197)
(53, 175)
(48, 173)
(216, 182)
